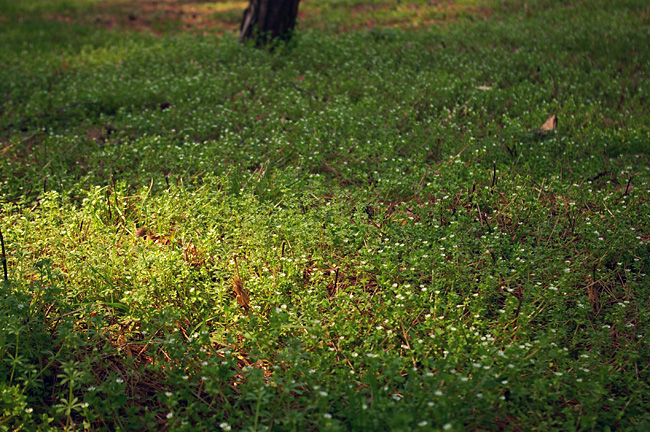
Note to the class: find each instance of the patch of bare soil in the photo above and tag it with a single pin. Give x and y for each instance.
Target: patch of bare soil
(218, 17)
(160, 16)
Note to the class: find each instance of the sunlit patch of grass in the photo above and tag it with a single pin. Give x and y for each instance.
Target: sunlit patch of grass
(355, 15)
(416, 252)
(227, 12)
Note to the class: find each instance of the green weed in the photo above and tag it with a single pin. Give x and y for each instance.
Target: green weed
(418, 254)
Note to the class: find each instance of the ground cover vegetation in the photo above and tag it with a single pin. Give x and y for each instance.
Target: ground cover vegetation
(365, 229)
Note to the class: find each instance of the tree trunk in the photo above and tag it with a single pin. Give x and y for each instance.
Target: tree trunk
(265, 20)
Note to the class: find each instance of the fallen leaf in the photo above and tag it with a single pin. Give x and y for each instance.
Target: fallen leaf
(238, 286)
(550, 124)
(241, 294)
(484, 88)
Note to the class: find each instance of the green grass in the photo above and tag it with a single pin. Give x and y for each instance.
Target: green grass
(418, 254)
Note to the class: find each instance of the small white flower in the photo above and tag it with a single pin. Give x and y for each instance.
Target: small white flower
(170, 415)
(447, 426)
(225, 426)
(29, 410)
(327, 416)
(423, 423)
(168, 394)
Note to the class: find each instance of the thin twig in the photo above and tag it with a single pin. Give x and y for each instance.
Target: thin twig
(302, 90)
(629, 182)
(68, 314)
(4, 256)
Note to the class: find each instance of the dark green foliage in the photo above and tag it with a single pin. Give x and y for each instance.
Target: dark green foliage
(417, 252)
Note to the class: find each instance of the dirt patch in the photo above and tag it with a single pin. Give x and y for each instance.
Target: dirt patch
(218, 17)
(367, 8)
(162, 16)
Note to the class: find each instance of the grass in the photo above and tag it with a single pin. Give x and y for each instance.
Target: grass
(416, 254)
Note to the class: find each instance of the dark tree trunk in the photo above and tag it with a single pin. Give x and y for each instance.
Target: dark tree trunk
(265, 20)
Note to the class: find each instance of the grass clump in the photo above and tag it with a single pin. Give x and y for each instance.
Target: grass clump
(355, 231)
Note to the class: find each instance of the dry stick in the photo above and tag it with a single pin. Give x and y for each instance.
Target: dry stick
(4, 256)
(295, 87)
(629, 182)
(541, 188)
(336, 281)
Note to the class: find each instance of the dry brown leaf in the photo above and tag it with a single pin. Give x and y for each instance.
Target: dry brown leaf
(550, 124)
(238, 286)
(242, 295)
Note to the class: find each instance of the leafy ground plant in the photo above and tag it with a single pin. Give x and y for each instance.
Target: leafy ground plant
(376, 229)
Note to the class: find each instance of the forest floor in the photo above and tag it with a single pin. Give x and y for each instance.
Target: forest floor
(411, 216)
